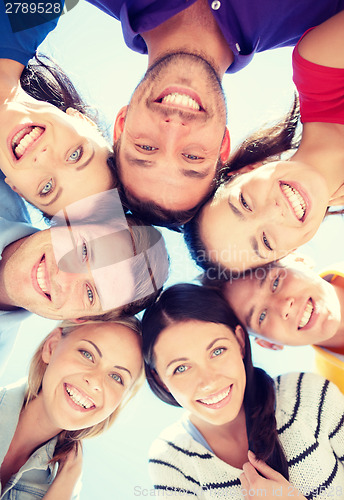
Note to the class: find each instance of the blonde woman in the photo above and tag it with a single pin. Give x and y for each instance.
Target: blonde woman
(79, 379)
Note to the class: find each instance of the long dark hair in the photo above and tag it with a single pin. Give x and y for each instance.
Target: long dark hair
(44, 80)
(185, 302)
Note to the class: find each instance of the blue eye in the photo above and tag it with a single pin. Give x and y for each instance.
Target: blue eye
(47, 188)
(192, 157)
(84, 252)
(86, 354)
(180, 369)
(76, 155)
(145, 147)
(244, 203)
(218, 351)
(275, 283)
(116, 378)
(262, 317)
(89, 294)
(266, 242)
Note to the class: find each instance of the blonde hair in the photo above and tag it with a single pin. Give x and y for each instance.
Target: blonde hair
(67, 440)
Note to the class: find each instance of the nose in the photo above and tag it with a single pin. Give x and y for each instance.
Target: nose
(174, 124)
(93, 380)
(286, 307)
(44, 157)
(64, 286)
(207, 380)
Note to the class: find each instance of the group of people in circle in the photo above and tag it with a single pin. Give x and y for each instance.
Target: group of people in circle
(103, 259)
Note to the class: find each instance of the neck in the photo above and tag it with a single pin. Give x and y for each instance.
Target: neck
(195, 31)
(322, 148)
(33, 430)
(228, 441)
(337, 340)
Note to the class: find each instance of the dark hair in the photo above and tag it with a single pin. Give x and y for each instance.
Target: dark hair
(151, 212)
(184, 302)
(266, 144)
(44, 80)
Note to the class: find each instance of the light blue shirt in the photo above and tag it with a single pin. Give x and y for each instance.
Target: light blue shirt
(14, 224)
(35, 476)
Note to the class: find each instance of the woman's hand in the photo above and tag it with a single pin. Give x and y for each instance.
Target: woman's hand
(272, 485)
(67, 476)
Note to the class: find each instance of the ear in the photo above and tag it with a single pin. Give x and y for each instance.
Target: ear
(268, 345)
(13, 187)
(78, 321)
(241, 335)
(78, 114)
(225, 146)
(119, 123)
(338, 197)
(50, 344)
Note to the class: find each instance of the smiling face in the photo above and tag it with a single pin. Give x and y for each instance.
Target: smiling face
(201, 365)
(89, 373)
(49, 157)
(262, 215)
(287, 305)
(172, 134)
(60, 276)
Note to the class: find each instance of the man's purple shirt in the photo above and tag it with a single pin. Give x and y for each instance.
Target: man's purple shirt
(249, 26)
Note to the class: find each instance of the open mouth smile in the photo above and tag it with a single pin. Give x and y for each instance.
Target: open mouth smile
(81, 400)
(25, 139)
(41, 278)
(180, 98)
(307, 314)
(217, 400)
(295, 200)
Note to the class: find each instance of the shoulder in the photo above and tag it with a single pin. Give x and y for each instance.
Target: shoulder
(306, 399)
(175, 444)
(14, 392)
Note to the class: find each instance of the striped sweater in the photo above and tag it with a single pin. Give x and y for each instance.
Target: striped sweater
(310, 424)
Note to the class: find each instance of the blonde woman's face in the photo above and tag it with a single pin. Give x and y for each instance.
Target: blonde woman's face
(88, 374)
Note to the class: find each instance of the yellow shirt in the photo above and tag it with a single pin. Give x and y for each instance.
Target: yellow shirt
(330, 363)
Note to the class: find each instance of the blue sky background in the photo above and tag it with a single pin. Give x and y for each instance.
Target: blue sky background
(89, 46)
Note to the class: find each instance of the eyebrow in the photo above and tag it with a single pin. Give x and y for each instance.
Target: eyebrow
(124, 369)
(207, 349)
(248, 318)
(254, 244)
(89, 159)
(56, 197)
(95, 346)
(118, 367)
(199, 174)
(235, 211)
(138, 162)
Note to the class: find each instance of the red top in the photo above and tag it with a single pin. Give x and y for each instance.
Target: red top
(321, 90)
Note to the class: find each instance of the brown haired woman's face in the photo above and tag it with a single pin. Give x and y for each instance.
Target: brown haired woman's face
(49, 157)
(89, 373)
(201, 365)
(263, 214)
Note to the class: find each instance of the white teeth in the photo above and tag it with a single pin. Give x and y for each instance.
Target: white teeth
(216, 399)
(295, 199)
(41, 277)
(181, 100)
(31, 135)
(78, 398)
(307, 313)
